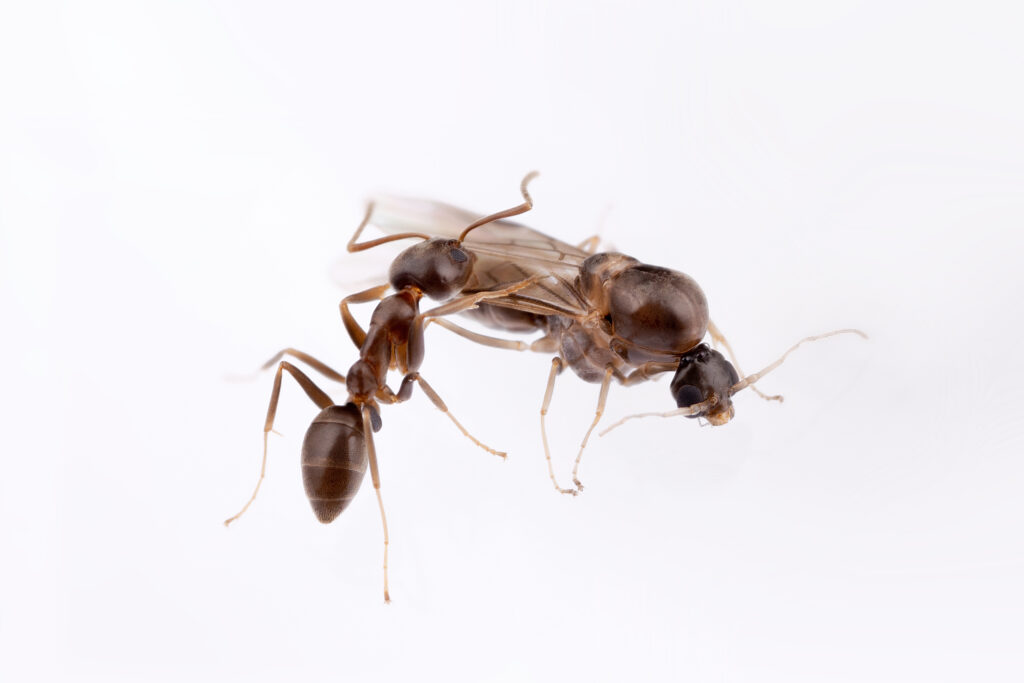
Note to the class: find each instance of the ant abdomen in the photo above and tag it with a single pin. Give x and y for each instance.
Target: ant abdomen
(333, 460)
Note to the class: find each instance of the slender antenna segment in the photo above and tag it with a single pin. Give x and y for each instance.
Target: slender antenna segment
(750, 379)
(739, 386)
(354, 246)
(507, 213)
(688, 410)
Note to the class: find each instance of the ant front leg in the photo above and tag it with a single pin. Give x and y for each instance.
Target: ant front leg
(315, 394)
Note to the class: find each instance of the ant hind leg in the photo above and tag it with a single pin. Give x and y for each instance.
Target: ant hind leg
(315, 393)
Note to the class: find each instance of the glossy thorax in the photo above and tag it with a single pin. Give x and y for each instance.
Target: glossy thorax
(639, 314)
(438, 268)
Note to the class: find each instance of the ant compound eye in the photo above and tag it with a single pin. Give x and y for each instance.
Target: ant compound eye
(687, 395)
(459, 256)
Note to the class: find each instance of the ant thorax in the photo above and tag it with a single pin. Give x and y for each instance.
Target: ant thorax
(585, 346)
(641, 314)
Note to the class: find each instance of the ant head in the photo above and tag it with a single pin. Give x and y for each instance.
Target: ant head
(438, 267)
(705, 375)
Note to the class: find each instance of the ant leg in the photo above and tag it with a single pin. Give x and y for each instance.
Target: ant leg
(354, 246)
(647, 371)
(602, 397)
(319, 366)
(590, 244)
(718, 338)
(483, 339)
(547, 344)
(468, 301)
(556, 368)
(315, 394)
(405, 393)
(356, 332)
(415, 346)
(371, 453)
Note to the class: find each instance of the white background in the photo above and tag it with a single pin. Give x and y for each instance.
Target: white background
(178, 180)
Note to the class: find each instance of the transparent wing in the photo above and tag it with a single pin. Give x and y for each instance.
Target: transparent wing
(506, 253)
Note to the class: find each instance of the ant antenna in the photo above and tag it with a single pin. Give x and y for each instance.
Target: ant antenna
(507, 213)
(750, 379)
(354, 246)
(695, 409)
(747, 381)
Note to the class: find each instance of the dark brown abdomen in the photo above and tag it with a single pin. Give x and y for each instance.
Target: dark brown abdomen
(333, 460)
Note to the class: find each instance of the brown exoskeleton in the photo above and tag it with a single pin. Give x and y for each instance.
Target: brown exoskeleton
(605, 315)
(338, 446)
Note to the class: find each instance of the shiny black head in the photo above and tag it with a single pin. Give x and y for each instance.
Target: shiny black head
(704, 373)
(438, 267)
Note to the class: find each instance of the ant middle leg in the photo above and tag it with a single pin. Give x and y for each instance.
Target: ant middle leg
(601, 399)
(719, 338)
(315, 394)
(405, 393)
